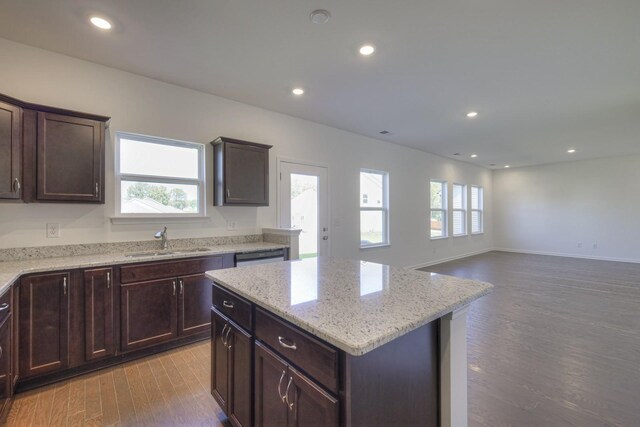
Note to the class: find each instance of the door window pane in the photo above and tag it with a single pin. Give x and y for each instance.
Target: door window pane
(304, 212)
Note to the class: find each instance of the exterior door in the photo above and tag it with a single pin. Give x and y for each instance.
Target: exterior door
(304, 203)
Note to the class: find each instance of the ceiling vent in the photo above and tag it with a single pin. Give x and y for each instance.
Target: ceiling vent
(384, 132)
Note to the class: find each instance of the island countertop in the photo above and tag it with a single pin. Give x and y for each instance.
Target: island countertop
(354, 305)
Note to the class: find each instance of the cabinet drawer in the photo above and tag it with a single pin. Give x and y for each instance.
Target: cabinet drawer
(5, 305)
(317, 359)
(167, 269)
(234, 307)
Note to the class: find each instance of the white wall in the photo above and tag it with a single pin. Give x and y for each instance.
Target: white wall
(141, 105)
(554, 208)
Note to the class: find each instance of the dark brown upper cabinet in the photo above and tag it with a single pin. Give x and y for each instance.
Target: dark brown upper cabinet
(49, 154)
(70, 159)
(241, 173)
(10, 151)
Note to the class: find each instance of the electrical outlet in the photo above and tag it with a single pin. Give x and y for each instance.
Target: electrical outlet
(595, 246)
(53, 230)
(232, 225)
(579, 245)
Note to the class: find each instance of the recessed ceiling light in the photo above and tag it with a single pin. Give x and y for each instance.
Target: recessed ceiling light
(101, 23)
(571, 150)
(297, 91)
(472, 114)
(367, 49)
(473, 156)
(320, 16)
(507, 166)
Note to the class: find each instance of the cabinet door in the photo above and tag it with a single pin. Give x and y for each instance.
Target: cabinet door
(44, 324)
(240, 348)
(10, 151)
(309, 404)
(70, 159)
(148, 313)
(98, 312)
(194, 303)
(5, 362)
(246, 170)
(219, 360)
(270, 385)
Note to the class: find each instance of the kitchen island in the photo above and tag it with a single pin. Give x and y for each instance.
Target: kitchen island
(330, 341)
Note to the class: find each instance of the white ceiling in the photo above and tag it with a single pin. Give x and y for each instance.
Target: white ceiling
(545, 75)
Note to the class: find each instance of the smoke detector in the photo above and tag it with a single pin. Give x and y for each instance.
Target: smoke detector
(320, 16)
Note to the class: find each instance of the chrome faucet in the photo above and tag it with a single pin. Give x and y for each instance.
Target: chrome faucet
(165, 241)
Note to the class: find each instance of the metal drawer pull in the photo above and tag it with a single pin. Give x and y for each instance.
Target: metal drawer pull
(16, 185)
(286, 394)
(227, 304)
(64, 286)
(283, 397)
(285, 345)
(228, 193)
(174, 287)
(108, 280)
(4, 306)
(181, 286)
(222, 334)
(1, 352)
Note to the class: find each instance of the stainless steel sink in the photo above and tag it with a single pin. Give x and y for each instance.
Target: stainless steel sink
(161, 253)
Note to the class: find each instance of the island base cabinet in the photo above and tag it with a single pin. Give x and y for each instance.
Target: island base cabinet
(6, 383)
(286, 397)
(44, 324)
(149, 313)
(231, 370)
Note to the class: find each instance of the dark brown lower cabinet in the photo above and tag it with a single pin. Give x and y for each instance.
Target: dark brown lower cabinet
(286, 397)
(99, 313)
(6, 382)
(44, 323)
(231, 369)
(148, 313)
(194, 304)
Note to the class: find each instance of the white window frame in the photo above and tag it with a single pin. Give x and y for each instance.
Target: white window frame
(119, 177)
(463, 210)
(480, 210)
(444, 209)
(384, 209)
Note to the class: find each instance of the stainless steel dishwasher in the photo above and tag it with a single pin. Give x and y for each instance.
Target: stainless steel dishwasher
(259, 257)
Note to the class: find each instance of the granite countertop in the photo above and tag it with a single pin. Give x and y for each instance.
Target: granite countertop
(11, 270)
(355, 305)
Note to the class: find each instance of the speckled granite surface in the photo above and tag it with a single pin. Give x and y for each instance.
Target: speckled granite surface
(38, 252)
(355, 305)
(12, 270)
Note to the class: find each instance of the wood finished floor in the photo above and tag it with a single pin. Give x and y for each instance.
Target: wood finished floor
(169, 389)
(556, 344)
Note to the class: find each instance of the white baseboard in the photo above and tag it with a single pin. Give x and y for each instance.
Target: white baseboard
(452, 258)
(565, 255)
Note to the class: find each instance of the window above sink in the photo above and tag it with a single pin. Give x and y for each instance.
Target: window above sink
(159, 178)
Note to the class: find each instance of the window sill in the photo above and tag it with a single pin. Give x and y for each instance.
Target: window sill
(439, 238)
(381, 245)
(123, 220)
(477, 234)
(461, 235)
